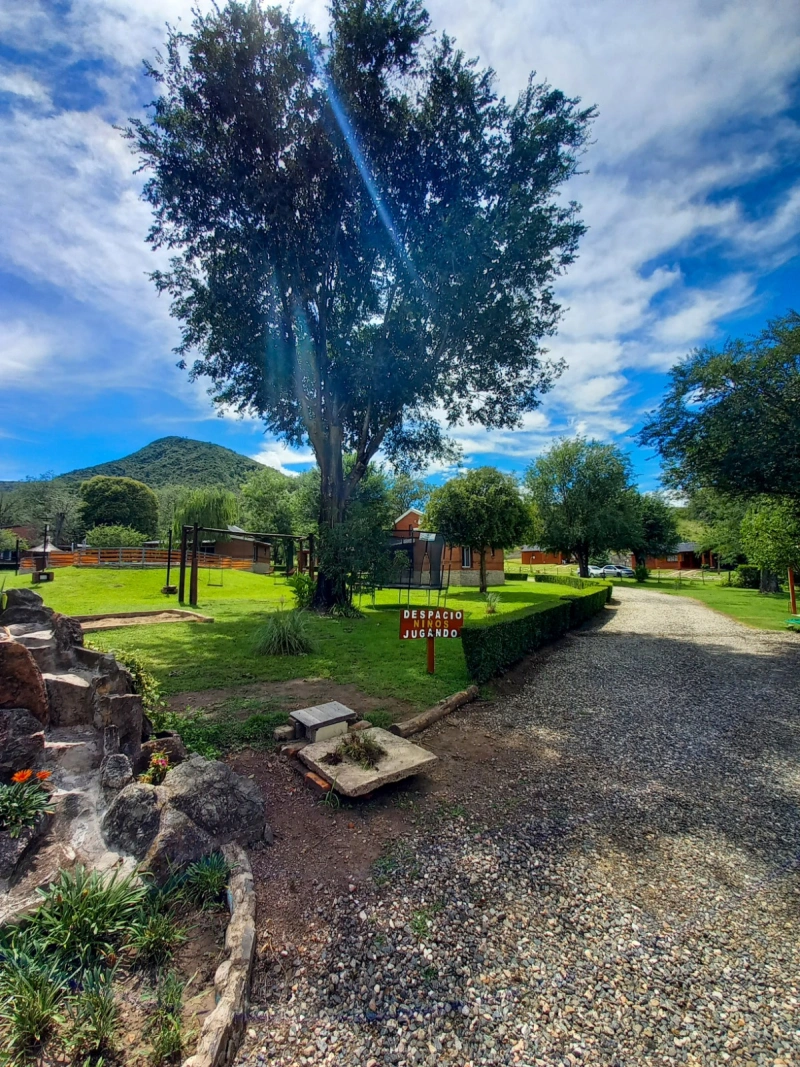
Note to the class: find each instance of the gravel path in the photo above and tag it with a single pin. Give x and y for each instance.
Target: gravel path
(620, 887)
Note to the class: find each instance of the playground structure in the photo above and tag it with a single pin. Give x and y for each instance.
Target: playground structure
(191, 555)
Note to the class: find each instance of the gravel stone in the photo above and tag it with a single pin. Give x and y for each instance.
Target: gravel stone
(625, 892)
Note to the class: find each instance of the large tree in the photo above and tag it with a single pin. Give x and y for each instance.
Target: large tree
(656, 533)
(770, 533)
(109, 501)
(362, 231)
(481, 509)
(583, 501)
(730, 420)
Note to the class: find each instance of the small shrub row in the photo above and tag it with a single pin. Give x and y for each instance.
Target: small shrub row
(515, 576)
(492, 645)
(576, 583)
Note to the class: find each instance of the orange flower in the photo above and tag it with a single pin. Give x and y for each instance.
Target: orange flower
(21, 776)
(43, 775)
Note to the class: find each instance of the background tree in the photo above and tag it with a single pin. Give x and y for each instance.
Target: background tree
(46, 501)
(770, 533)
(267, 502)
(213, 508)
(481, 509)
(731, 418)
(405, 491)
(109, 501)
(114, 537)
(657, 533)
(362, 231)
(583, 500)
(8, 539)
(721, 521)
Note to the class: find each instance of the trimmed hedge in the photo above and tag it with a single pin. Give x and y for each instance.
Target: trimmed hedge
(494, 643)
(577, 583)
(515, 576)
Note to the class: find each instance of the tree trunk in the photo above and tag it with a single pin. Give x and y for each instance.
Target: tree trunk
(482, 579)
(768, 582)
(330, 589)
(583, 560)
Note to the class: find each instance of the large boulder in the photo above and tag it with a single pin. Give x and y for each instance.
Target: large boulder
(68, 635)
(23, 598)
(221, 802)
(178, 843)
(21, 684)
(116, 772)
(27, 615)
(71, 698)
(132, 820)
(21, 741)
(123, 710)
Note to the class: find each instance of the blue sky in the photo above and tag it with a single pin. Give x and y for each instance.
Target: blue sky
(692, 198)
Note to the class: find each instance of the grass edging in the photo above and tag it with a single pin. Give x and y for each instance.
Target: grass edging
(223, 1029)
(495, 643)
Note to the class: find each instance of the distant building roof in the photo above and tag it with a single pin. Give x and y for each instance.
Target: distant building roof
(411, 511)
(235, 529)
(687, 546)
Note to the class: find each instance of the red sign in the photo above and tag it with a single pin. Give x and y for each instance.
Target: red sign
(430, 622)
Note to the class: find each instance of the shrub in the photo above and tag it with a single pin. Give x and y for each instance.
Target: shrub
(491, 600)
(491, 645)
(157, 769)
(576, 583)
(31, 993)
(303, 587)
(746, 576)
(515, 576)
(114, 537)
(84, 918)
(205, 881)
(156, 936)
(641, 573)
(24, 802)
(285, 633)
(93, 1016)
(357, 748)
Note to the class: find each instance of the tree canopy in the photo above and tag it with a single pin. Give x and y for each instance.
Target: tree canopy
(657, 533)
(730, 420)
(114, 537)
(582, 499)
(109, 501)
(214, 508)
(481, 509)
(770, 533)
(362, 230)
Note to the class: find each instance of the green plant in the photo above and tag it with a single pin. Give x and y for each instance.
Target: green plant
(345, 610)
(205, 881)
(361, 749)
(641, 573)
(746, 577)
(92, 1017)
(156, 935)
(422, 920)
(380, 718)
(156, 770)
(85, 918)
(285, 633)
(491, 601)
(213, 736)
(32, 990)
(302, 585)
(24, 802)
(165, 1028)
(144, 681)
(114, 537)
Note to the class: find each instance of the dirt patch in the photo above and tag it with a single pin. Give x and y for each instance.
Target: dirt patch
(292, 695)
(90, 623)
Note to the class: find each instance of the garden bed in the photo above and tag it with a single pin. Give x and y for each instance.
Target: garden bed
(113, 969)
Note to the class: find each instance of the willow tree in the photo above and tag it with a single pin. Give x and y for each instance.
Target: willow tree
(363, 234)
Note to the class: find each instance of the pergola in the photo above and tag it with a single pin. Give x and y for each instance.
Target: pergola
(190, 546)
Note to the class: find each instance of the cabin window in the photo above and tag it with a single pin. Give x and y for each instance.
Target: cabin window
(466, 558)
(672, 559)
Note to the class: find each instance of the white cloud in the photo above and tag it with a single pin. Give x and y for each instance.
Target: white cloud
(283, 458)
(23, 352)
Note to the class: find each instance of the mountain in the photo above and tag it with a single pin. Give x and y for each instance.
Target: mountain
(173, 461)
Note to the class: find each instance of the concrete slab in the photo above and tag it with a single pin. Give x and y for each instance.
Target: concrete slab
(320, 716)
(403, 758)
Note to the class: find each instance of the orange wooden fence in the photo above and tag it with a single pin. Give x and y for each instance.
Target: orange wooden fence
(134, 557)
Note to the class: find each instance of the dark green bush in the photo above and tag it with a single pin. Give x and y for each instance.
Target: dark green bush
(746, 577)
(494, 643)
(576, 583)
(515, 576)
(641, 573)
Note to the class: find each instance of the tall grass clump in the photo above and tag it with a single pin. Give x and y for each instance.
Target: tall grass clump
(285, 633)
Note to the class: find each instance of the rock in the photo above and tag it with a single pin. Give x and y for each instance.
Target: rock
(110, 740)
(166, 741)
(132, 820)
(221, 802)
(29, 615)
(179, 842)
(71, 699)
(21, 684)
(21, 741)
(68, 635)
(116, 772)
(13, 850)
(123, 710)
(23, 598)
(283, 733)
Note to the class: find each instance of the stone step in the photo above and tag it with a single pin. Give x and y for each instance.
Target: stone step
(77, 751)
(71, 697)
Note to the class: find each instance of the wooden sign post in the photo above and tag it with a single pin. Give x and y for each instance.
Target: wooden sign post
(430, 623)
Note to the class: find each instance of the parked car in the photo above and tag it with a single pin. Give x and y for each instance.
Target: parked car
(610, 570)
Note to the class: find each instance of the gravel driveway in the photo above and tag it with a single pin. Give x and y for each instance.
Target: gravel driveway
(617, 884)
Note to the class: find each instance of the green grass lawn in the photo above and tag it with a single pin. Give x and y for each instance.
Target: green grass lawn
(745, 605)
(190, 656)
